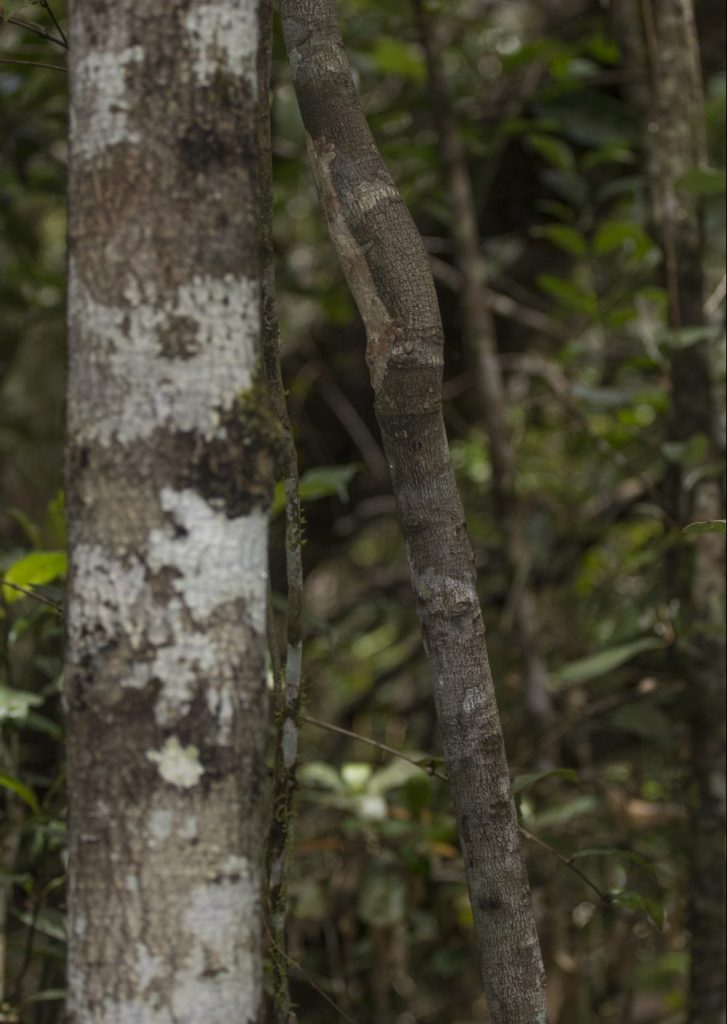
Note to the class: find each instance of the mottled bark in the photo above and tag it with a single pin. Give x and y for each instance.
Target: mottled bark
(169, 472)
(481, 344)
(388, 272)
(287, 711)
(675, 120)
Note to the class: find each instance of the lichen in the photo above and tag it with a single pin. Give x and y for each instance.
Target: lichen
(178, 765)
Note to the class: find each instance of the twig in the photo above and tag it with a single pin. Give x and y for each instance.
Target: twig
(568, 862)
(38, 30)
(307, 978)
(31, 593)
(430, 770)
(33, 63)
(55, 21)
(425, 766)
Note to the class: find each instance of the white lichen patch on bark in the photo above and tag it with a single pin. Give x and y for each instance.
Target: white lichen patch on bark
(217, 559)
(100, 107)
(473, 699)
(160, 824)
(178, 765)
(329, 60)
(370, 195)
(109, 601)
(136, 387)
(289, 743)
(220, 965)
(148, 967)
(223, 37)
(132, 1011)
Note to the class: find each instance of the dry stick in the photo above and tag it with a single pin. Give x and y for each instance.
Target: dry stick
(388, 271)
(288, 690)
(481, 342)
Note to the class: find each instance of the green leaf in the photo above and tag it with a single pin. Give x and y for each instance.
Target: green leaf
(644, 720)
(553, 150)
(395, 774)
(17, 703)
(321, 482)
(708, 526)
(641, 904)
(382, 901)
(33, 570)
(614, 851)
(521, 782)
(569, 294)
(21, 790)
(28, 527)
(563, 236)
(577, 808)
(703, 181)
(586, 669)
(319, 775)
(48, 995)
(356, 776)
(685, 337)
(394, 57)
(13, 6)
(613, 235)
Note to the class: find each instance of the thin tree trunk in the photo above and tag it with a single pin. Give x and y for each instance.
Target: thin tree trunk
(481, 344)
(388, 272)
(676, 145)
(287, 715)
(169, 472)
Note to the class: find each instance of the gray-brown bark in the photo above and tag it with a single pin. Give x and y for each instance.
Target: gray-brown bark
(481, 343)
(664, 32)
(287, 711)
(388, 272)
(169, 470)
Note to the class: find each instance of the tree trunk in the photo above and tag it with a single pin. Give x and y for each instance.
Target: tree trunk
(481, 344)
(664, 31)
(388, 272)
(169, 471)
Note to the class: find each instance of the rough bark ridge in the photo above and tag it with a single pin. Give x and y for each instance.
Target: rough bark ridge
(664, 31)
(169, 471)
(387, 269)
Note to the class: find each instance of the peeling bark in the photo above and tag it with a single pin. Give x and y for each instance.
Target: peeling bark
(388, 272)
(170, 455)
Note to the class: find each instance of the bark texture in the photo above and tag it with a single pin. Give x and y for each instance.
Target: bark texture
(481, 343)
(664, 31)
(388, 272)
(169, 472)
(288, 689)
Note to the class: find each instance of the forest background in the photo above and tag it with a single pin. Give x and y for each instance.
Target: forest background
(548, 102)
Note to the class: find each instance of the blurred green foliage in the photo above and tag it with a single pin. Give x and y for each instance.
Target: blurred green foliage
(379, 916)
